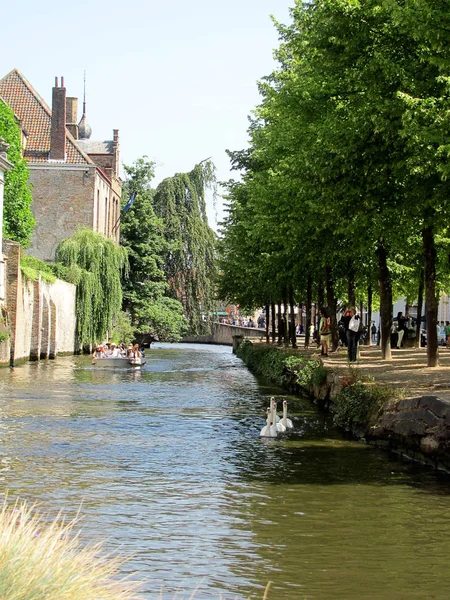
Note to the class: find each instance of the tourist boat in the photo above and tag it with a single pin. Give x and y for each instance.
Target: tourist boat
(119, 361)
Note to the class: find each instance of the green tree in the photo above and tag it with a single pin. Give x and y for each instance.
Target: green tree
(190, 261)
(145, 285)
(99, 263)
(18, 221)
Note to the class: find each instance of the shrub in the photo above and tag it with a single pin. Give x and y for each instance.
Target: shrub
(358, 403)
(281, 366)
(264, 360)
(306, 372)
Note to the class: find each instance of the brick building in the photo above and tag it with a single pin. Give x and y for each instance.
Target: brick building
(75, 180)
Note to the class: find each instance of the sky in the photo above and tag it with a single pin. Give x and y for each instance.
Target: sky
(177, 78)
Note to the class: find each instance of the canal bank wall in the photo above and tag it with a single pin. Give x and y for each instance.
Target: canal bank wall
(38, 318)
(404, 421)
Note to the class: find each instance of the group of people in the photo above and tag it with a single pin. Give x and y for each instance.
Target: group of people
(112, 350)
(349, 328)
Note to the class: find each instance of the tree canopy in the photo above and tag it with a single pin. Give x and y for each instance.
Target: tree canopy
(170, 284)
(344, 184)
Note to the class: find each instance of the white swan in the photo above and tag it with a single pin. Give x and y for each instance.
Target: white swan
(285, 421)
(273, 424)
(265, 431)
(278, 423)
(272, 401)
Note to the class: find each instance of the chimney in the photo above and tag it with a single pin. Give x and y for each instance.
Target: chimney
(116, 152)
(58, 126)
(71, 116)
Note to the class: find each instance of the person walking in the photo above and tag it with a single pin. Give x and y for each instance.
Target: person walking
(325, 331)
(401, 328)
(373, 330)
(353, 334)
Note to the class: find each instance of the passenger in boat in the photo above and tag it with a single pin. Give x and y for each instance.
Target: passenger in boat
(114, 351)
(122, 350)
(129, 350)
(98, 352)
(135, 352)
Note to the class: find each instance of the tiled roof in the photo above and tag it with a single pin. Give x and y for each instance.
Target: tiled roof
(35, 117)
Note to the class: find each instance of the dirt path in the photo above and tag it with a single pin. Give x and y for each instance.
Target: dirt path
(407, 369)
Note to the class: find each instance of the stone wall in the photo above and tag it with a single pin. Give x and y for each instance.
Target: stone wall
(59, 214)
(40, 315)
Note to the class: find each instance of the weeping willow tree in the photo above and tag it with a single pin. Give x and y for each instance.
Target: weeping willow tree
(190, 262)
(99, 263)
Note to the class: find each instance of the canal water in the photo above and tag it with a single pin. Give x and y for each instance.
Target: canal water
(165, 465)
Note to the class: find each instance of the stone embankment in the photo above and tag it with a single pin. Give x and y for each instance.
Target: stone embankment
(400, 405)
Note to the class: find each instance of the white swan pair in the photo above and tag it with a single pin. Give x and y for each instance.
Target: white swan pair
(274, 425)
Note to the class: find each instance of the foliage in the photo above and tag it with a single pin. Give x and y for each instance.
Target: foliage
(349, 144)
(145, 286)
(99, 292)
(266, 361)
(18, 221)
(122, 330)
(141, 233)
(189, 261)
(32, 267)
(4, 335)
(164, 320)
(306, 372)
(281, 366)
(358, 403)
(40, 558)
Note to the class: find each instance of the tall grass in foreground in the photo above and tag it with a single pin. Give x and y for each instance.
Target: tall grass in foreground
(42, 560)
(45, 560)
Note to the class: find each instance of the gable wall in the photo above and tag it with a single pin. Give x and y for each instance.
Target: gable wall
(62, 202)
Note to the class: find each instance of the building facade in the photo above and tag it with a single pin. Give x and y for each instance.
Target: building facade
(75, 181)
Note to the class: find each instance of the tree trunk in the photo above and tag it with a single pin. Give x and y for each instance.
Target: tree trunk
(331, 301)
(351, 287)
(319, 306)
(369, 315)
(292, 317)
(274, 322)
(419, 307)
(308, 311)
(320, 295)
(267, 324)
(280, 326)
(385, 290)
(286, 319)
(431, 300)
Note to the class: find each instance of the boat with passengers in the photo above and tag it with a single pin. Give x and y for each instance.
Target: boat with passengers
(111, 355)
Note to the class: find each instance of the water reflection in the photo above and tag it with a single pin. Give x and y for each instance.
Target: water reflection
(167, 465)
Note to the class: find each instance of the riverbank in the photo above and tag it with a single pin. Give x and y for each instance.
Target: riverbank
(400, 404)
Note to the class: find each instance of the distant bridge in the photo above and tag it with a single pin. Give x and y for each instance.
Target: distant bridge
(223, 333)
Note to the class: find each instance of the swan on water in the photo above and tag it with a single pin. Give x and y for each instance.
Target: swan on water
(281, 428)
(277, 418)
(265, 431)
(273, 424)
(285, 421)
